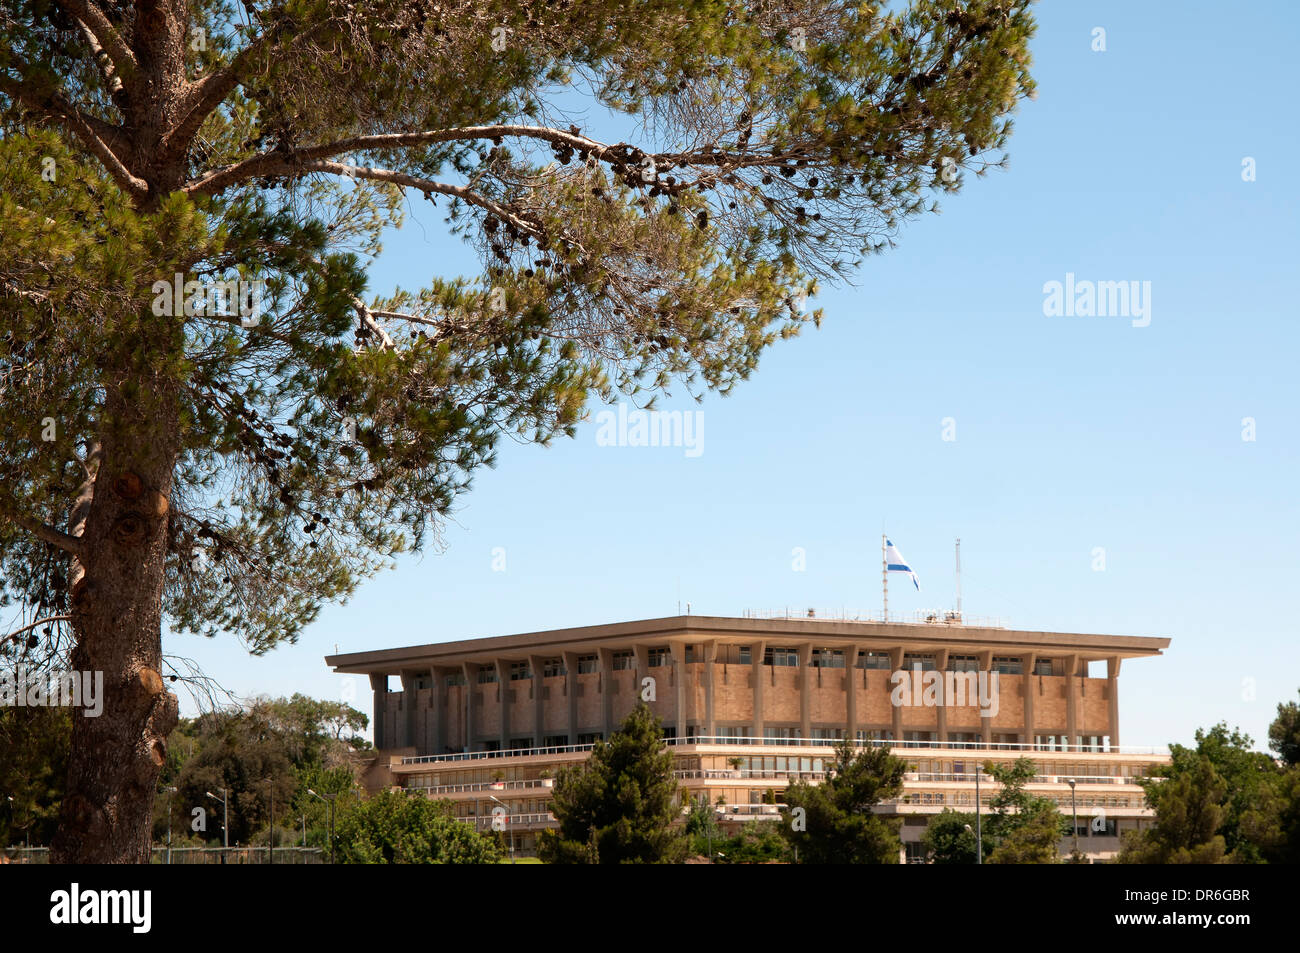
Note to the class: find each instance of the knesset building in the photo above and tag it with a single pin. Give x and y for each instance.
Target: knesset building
(487, 723)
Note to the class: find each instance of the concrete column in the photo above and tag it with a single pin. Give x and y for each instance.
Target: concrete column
(1112, 700)
(571, 692)
(379, 691)
(606, 657)
(756, 674)
(1031, 691)
(504, 685)
(1071, 695)
(406, 734)
(710, 659)
(437, 736)
(941, 665)
(539, 699)
(470, 671)
(805, 689)
(985, 664)
(896, 665)
(679, 686)
(851, 691)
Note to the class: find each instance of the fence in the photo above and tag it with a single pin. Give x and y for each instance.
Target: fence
(189, 855)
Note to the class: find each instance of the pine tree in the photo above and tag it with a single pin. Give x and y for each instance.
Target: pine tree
(620, 806)
(834, 822)
(205, 417)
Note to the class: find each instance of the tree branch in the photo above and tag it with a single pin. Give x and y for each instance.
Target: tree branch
(47, 533)
(88, 129)
(202, 97)
(96, 23)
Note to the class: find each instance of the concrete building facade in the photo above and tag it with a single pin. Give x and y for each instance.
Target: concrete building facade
(750, 704)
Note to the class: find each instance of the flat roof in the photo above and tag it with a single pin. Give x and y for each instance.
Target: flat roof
(829, 633)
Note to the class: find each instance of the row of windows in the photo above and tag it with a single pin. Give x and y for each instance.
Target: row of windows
(775, 656)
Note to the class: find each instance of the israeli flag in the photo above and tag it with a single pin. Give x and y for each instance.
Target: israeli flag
(894, 562)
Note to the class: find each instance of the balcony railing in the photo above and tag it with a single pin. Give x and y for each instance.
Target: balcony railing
(823, 743)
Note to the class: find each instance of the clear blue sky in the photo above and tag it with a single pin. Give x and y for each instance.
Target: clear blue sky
(1071, 432)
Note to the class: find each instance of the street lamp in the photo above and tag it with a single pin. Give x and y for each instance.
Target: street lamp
(512, 827)
(225, 817)
(1075, 811)
(271, 838)
(170, 793)
(330, 798)
(979, 827)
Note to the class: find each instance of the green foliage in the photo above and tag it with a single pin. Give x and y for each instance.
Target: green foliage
(396, 827)
(1189, 813)
(1284, 733)
(1025, 829)
(947, 840)
(621, 804)
(33, 759)
(833, 823)
(759, 842)
(295, 741)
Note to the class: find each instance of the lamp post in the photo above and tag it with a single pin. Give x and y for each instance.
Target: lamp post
(170, 794)
(512, 827)
(1075, 811)
(271, 836)
(979, 827)
(225, 817)
(329, 798)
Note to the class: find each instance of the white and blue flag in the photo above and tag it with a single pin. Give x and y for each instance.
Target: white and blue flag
(894, 562)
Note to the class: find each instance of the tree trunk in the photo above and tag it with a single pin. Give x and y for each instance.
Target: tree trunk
(116, 758)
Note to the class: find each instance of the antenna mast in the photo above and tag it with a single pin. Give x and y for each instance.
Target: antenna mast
(959, 577)
(884, 578)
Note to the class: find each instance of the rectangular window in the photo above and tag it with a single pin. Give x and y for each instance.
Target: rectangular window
(827, 734)
(660, 657)
(875, 734)
(912, 659)
(1008, 665)
(1043, 666)
(827, 658)
(787, 658)
(588, 664)
(873, 660)
(781, 734)
(963, 663)
(487, 676)
(622, 660)
(553, 668)
(738, 733)
(746, 657)
(554, 741)
(520, 671)
(694, 655)
(589, 739)
(452, 681)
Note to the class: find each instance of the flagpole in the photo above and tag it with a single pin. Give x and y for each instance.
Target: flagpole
(884, 578)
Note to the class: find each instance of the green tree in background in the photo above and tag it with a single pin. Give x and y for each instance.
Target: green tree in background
(1284, 733)
(621, 804)
(1026, 829)
(1189, 807)
(949, 838)
(33, 759)
(225, 462)
(833, 822)
(396, 827)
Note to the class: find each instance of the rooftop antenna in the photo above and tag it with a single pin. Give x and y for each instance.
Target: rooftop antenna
(959, 578)
(884, 579)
